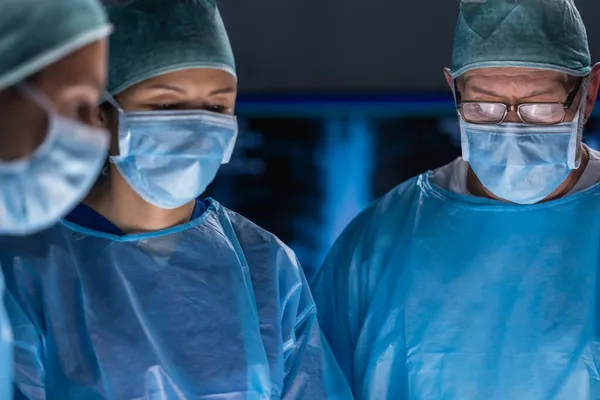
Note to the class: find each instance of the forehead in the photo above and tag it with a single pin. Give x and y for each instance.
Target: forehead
(511, 80)
(189, 80)
(84, 67)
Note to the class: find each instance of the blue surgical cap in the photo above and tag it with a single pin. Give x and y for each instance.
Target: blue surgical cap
(544, 34)
(154, 37)
(35, 34)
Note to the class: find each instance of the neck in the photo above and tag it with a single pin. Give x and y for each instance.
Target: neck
(475, 186)
(116, 201)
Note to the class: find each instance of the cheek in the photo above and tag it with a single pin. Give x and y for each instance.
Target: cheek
(23, 127)
(114, 134)
(109, 121)
(114, 146)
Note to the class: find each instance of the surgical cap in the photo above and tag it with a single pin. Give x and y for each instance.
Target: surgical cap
(154, 37)
(35, 34)
(544, 34)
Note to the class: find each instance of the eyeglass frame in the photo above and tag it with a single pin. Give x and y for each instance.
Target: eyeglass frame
(567, 104)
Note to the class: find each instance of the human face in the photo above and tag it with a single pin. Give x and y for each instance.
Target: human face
(515, 86)
(73, 87)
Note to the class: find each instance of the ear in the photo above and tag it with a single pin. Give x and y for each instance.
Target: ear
(592, 91)
(100, 116)
(448, 78)
(106, 116)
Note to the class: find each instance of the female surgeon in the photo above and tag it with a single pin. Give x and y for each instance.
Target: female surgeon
(52, 70)
(145, 291)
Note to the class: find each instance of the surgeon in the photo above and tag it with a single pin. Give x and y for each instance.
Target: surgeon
(480, 280)
(146, 291)
(53, 57)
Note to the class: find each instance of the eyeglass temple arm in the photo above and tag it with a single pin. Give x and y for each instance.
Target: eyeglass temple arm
(569, 101)
(457, 96)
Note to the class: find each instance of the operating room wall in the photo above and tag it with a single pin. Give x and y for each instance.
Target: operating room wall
(351, 45)
(340, 101)
(347, 46)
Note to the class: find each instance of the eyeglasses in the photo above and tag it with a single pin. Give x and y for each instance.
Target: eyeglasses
(487, 112)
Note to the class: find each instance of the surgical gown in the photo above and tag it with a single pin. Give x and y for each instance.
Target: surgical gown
(434, 295)
(214, 309)
(6, 366)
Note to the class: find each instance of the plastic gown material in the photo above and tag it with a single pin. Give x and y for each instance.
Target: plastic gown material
(35, 34)
(214, 309)
(169, 36)
(547, 34)
(6, 365)
(434, 295)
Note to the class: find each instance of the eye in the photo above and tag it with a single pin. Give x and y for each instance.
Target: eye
(163, 107)
(84, 112)
(217, 108)
(483, 113)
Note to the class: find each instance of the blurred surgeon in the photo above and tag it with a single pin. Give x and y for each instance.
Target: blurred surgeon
(480, 280)
(52, 72)
(146, 291)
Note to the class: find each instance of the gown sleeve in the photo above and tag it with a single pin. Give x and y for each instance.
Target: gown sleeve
(311, 371)
(302, 364)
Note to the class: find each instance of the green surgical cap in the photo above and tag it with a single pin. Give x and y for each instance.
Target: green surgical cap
(544, 34)
(37, 33)
(154, 37)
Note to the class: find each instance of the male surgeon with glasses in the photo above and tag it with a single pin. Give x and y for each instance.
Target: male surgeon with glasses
(480, 280)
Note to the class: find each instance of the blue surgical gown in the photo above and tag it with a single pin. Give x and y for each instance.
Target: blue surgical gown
(6, 365)
(214, 309)
(434, 295)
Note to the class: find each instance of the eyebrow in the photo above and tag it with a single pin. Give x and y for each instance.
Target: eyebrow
(165, 86)
(225, 90)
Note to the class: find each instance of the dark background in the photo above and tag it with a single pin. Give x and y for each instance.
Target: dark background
(340, 101)
(392, 46)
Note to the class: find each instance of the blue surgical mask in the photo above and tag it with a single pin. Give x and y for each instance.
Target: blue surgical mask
(170, 157)
(41, 188)
(521, 163)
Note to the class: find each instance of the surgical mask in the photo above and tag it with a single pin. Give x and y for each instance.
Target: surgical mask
(170, 157)
(521, 163)
(41, 188)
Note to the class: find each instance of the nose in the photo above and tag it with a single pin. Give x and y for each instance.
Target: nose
(512, 116)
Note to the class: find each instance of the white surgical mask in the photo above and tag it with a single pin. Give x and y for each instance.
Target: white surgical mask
(521, 163)
(170, 157)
